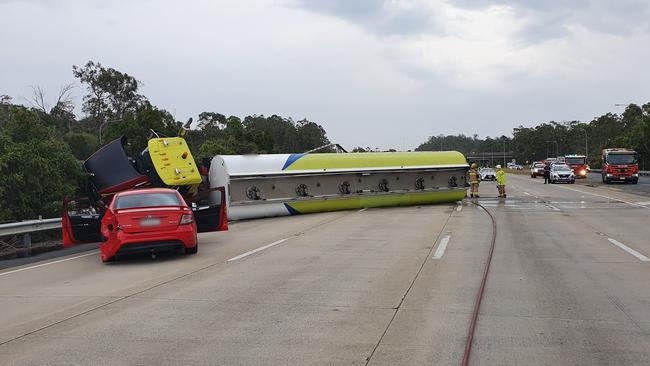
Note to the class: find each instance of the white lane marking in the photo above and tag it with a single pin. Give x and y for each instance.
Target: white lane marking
(640, 256)
(527, 194)
(603, 196)
(644, 203)
(460, 207)
(48, 263)
(552, 207)
(442, 247)
(257, 250)
(363, 209)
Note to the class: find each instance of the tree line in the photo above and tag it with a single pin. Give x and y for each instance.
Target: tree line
(631, 129)
(43, 143)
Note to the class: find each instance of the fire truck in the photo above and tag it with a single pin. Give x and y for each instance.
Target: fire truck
(620, 165)
(578, 164)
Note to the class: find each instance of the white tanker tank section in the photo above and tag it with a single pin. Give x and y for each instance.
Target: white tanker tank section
(289, 184)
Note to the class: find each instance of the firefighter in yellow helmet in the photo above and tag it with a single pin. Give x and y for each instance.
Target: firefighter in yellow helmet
(501, 181)
(473, 181)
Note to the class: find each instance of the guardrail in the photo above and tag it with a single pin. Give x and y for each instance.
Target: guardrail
(26, 228)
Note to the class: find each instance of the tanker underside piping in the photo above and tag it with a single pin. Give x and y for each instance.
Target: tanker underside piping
(262, 196)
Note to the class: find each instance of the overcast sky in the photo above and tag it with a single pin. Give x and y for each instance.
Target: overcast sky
(373, 73)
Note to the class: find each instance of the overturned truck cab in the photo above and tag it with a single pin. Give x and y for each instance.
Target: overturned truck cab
(291, 184)
(166, 163)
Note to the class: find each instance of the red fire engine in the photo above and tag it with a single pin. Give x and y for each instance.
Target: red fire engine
(578, 164)
(620, 165)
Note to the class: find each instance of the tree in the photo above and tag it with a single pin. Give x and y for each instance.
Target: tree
(111, 94)
(212, 148)
(82, 144)
(639, 135)
(139, 125)
(211, 120)
(36, 169)
(310, 135)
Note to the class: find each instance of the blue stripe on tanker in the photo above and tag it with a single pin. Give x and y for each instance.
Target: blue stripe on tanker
(291, 159)
(291, 210)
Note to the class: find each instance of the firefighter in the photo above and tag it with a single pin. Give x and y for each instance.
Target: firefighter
(473, 181)
(501, 181)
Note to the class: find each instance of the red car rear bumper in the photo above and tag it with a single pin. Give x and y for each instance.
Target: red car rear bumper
(184, 236)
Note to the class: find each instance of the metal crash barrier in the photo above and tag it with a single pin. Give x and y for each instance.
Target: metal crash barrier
(26, 228)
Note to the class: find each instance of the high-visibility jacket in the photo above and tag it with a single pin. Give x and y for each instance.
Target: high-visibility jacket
(501, 177)
(473, 176)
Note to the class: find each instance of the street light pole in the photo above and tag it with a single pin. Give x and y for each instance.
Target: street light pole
(491, 155)
(586, 147)
(547, 149)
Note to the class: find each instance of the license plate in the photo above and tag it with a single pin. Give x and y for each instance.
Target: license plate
(149, 222)
(622, 178)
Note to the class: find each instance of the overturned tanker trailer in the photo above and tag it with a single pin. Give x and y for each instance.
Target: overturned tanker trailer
(290, 184)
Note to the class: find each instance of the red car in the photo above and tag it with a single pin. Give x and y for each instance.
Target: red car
(147, 221)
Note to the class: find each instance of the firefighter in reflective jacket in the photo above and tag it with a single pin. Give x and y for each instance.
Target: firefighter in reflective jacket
(473, 181)
(501, 181)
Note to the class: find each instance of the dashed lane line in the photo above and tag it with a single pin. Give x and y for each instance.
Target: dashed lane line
(267, 246)
(639, 256)
(442, 247)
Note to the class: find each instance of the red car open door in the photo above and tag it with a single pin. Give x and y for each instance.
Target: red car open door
(211, 215)
(80, 223)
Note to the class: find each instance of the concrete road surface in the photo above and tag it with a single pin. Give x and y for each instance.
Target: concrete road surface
(641, 188)
(569, 285)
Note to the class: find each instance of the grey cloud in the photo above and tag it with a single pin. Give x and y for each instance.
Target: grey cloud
(549, 19)
(372, 15)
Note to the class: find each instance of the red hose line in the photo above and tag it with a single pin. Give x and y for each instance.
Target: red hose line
(479, 295)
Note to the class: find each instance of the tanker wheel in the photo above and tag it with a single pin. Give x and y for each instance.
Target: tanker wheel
(383, 185)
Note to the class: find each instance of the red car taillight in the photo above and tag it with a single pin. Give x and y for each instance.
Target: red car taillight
(186, 219)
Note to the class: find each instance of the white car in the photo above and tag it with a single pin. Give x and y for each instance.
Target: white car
(562, 173)
(537, 170)
(487, 174)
